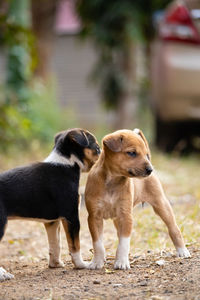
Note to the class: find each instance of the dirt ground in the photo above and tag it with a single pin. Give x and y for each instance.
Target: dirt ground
(24, 253)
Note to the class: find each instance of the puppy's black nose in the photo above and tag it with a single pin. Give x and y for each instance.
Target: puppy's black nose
(149, 170)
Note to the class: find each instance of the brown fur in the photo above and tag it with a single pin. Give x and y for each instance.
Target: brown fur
(117, 182)
(90, 157)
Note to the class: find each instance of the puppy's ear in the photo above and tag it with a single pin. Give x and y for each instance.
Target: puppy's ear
(79, 137)
(114, 143)
(57, 137)
(140, 133)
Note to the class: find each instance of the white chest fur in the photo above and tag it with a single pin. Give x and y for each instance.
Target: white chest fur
(108, 206)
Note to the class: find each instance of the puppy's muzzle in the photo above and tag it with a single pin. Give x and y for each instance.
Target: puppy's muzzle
(143, 172)
(148, 170)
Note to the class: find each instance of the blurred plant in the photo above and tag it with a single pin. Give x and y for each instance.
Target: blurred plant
(45, 116)
(22, 129)
(28, 110)
(115, 26)
(145, 12)
(18, 41)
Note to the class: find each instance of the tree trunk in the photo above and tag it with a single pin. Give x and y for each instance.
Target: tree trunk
(127, 105)
(43, 16)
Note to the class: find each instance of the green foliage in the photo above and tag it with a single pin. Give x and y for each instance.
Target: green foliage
(110, 23)
(19, 43)
(39, 120)
(24, 113)
(28, 110)
(45, 115)
(145, 11)
(17, 39)
(111, 77)
(113, 25)
(13, 126)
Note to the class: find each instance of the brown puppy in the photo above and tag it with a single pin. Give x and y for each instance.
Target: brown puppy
(118, 181)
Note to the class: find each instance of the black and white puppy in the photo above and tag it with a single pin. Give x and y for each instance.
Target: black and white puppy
(48, 192)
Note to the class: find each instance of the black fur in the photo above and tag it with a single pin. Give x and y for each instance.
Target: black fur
(66, 143)
(45, 190)
(42, 190)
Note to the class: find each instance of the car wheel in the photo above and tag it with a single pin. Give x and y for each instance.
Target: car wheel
(167, 135)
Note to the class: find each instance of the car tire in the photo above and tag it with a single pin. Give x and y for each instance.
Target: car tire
(176, 135)
(167, 135)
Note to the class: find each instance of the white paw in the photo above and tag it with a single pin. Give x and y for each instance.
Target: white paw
(78, 261)
(4, 275)
(183, 252)
(95, 264)
(122, 264)
(81, 265)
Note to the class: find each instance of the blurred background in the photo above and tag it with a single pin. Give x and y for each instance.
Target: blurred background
(102, 65)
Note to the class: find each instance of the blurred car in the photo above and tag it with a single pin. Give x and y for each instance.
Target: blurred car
(175, 76)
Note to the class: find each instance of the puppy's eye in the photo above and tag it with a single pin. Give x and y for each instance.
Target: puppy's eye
(132, 153)
(98, 150)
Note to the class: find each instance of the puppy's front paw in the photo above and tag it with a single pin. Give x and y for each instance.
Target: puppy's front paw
(78, 261)
(183, 252)
(81, 265)
(4, 275)
(122, 264)
(95, 264)
(56, 264)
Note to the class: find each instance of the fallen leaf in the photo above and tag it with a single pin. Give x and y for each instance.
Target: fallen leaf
(109, 271)
(11, 242)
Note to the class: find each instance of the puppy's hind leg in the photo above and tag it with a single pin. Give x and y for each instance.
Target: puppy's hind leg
(72, 228)
(163, 208)
(53, 234)
(4, 275)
